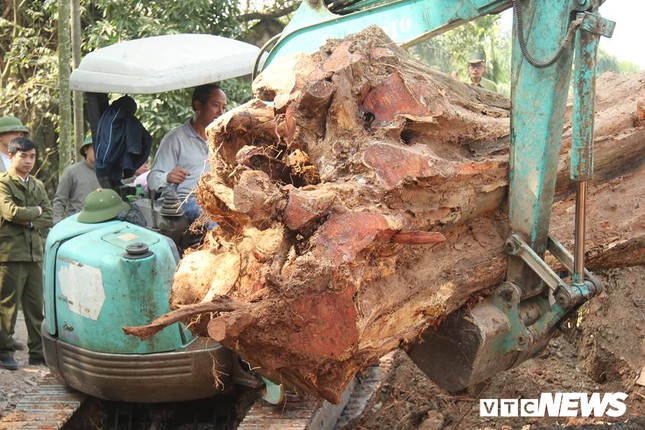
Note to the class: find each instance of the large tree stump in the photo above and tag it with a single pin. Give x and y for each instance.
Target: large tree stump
(361, 206)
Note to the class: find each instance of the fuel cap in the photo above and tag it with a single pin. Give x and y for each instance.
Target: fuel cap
(137, 250)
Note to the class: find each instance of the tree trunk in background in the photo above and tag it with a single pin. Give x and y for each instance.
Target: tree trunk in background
(77, 96)
(66, 141)
(364, 205)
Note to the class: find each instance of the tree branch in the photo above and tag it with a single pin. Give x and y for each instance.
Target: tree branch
(218, 304)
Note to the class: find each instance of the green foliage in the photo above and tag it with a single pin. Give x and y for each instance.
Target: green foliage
(449, 52)
(606, 63)
(628, 67)
(111, 21)
(29, 77)
(609, 63)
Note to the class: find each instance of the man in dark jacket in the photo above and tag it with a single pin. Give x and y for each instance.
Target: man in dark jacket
(25, 219)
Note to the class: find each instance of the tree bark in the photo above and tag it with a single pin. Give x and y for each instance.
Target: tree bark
(66, 145)
(365, 204)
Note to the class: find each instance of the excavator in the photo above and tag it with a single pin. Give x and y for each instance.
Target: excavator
(102, 273)
(512, 324)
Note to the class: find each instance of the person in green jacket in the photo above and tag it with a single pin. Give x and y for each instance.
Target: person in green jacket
(10, 128)
(25, 218)
(476, 70)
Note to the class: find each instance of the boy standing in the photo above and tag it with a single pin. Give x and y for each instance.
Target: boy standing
(25, 219)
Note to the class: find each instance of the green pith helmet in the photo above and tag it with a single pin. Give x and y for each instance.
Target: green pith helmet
(86, 142)
(11, 123)
(101, 205)
(477, 56)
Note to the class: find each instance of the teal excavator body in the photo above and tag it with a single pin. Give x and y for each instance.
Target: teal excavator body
(104, 276)
(100, 277)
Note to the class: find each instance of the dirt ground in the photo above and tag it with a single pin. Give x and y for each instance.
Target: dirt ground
(606, 354)
(14, 384)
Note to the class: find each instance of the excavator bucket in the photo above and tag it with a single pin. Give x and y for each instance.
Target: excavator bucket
(470, 346)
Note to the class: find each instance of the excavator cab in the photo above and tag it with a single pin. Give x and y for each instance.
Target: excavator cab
(103, 271)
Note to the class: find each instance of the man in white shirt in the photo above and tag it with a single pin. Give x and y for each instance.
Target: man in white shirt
(183, 153)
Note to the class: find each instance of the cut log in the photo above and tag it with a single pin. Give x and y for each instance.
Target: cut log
(360, 199)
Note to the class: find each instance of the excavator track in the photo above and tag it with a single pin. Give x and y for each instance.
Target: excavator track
(52, 405)
(49, 406)
(298, 413)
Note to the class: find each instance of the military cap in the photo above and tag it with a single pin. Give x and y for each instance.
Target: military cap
(11, 123)
(101, 205)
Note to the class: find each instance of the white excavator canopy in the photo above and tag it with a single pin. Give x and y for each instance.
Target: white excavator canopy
(163, 63)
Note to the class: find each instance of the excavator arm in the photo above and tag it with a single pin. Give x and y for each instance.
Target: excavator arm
(518, 319)
(406, 22)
